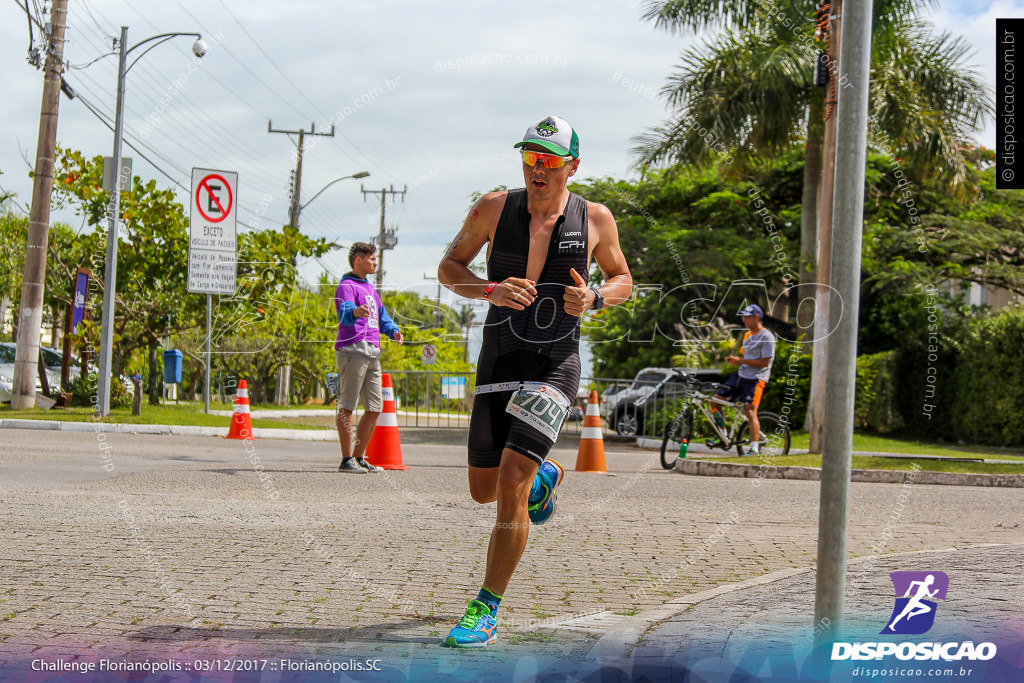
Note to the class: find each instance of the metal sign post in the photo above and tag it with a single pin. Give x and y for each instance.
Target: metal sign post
(212, 244)
(206, 389)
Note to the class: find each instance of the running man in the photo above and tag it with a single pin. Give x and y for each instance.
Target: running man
(540, 240)
(914, 605)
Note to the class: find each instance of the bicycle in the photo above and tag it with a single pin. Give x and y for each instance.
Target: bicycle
(774, 437)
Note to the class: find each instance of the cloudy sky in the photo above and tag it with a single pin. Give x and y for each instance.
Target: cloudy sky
(428, 95)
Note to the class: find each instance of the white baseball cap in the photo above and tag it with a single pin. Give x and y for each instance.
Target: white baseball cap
(553, 134)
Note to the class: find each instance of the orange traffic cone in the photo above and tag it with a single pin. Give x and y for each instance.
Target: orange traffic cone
(591, 454)
(241, 422)
(385, 448)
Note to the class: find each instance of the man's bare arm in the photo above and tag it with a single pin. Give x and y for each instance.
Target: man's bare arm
(752, 362)
(454, 272)
(618, 283)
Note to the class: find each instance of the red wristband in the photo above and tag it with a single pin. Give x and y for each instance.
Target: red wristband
(488, 289)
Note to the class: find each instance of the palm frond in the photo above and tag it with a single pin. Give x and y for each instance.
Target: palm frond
(744, 93)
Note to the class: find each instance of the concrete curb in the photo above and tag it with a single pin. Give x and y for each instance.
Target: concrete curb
(179, 430)
(615, 646)
(709, 468)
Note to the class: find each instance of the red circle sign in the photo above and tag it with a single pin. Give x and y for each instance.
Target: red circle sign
(213, 202)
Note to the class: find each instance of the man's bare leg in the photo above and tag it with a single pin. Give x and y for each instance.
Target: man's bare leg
(755, 424)
(344, 423)
(364, 430)
(509, 485)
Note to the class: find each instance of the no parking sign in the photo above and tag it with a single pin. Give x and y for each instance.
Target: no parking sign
(429, 354)
(212, 263)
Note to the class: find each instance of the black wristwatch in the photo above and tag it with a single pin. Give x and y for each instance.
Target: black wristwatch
(598, 299)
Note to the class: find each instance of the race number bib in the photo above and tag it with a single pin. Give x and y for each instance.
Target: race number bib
(372, 313)
(543, 409)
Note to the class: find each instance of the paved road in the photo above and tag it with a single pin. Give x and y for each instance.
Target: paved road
(129, 546)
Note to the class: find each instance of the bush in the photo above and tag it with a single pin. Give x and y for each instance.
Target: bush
(789, 386)
(987, 396)
(83, 391)
(654, 425)
(876, 407)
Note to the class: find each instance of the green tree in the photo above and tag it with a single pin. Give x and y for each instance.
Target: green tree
(13, 233)
(749, 91)
(697, 244)
(153, 260)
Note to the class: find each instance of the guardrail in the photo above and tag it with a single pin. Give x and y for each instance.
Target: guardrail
(444, 399)
(435, 399)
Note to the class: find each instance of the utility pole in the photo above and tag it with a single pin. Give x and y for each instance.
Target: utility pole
(386, 238)
(284, 375)
(819, 358)
(34, 281)
(437, 307)
(293, 212)
(848, 219)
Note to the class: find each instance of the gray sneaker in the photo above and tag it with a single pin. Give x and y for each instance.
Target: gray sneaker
(351, 466)
(367, 466)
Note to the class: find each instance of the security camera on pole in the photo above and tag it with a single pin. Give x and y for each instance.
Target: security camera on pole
(199, 49)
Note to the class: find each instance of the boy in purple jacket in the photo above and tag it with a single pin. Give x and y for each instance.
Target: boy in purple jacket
(361, 319)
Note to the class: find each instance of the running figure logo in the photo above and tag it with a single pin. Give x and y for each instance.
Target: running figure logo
(914, 612)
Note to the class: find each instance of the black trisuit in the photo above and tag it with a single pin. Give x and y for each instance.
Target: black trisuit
(540, 343)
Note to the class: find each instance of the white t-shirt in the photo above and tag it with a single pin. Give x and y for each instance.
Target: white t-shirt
(756, 346)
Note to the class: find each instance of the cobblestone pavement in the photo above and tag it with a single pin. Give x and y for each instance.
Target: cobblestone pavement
(122, 545)
(752, 630)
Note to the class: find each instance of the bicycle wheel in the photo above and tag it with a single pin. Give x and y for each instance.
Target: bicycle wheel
(675, 431)
(774, 435)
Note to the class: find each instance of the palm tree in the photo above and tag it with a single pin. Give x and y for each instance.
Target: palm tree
(750, 91)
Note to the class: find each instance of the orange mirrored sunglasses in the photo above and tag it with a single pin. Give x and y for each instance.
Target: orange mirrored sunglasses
(530, 158)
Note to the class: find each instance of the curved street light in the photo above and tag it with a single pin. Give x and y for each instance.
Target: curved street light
(199, 48)
(360, 174)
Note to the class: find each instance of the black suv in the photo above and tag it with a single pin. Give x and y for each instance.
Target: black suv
(627, 419)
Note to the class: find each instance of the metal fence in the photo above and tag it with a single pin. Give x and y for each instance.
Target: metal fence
(445, 399)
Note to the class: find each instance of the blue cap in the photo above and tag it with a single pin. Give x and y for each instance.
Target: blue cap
(752, 309)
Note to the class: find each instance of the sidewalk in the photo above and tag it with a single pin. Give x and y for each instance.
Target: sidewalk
(763, 628)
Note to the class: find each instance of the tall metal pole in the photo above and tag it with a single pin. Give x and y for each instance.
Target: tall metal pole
(23, 395)
(209, 368)
(110, 271)
(848, 223)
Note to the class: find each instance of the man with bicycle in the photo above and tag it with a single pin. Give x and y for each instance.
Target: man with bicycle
(755, 366)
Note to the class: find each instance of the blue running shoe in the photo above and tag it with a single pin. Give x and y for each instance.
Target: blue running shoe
(542, 494)
(476, 629)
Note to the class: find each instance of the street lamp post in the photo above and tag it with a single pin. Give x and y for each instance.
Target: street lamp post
(360, 174)
(285, 373)
(110, 272)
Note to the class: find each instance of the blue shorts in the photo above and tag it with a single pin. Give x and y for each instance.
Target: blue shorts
(742, 389)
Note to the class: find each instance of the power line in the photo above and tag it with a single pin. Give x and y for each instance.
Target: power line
(198, 133)
(104, 121)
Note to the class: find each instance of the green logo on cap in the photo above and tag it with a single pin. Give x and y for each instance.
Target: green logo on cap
(547, 128)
